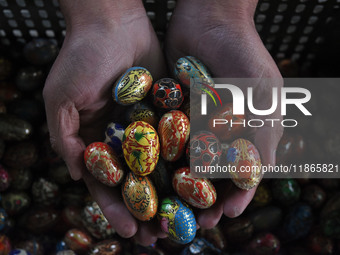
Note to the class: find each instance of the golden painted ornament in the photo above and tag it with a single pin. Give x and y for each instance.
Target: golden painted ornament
(132, 86)
(141, 147)
(245, 159)
(140, 196)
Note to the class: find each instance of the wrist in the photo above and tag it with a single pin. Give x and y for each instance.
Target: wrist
(80, 14)
(226, 10)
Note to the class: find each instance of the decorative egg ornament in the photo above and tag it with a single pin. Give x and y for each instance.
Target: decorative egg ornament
(190, 68)
(177, 220)
(245, 158)
(132, 86)
(204, 149)
(140, 197)
(167, 94)
(198, 192)
(174, 131)
(113, 136)
(103, 163)
(95, 222)
(141, 147)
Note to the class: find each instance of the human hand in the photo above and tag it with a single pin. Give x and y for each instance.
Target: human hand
(222, 35)
(103, 39)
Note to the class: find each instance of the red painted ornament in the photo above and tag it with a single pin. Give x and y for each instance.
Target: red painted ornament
(167, 94)
(173, 131)
(103, 163)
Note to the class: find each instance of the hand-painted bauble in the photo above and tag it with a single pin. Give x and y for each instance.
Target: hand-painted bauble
(161, 177)
(8, 92)
(264, 244)
(5, 245)
(266, 218)
(232, 127)
(190, 69)
(298, 222)
(3, 219)
(95, 222)
(19, 252)
(29, 78)
(262, 196)
(103, 163)
(141, 147)
(21, 154)
(313, 195)
(173, 131)
(45, 192)
(113, 136)
(41, 220)
(41, 51)
(140, 196)
(107, 247)
(320, 244)
(245, 159)
(132, 86)
(197, 192)
(21, 178)
(147, 115)
(205, 149)
(15, 202)
(215, 236)
(167, 94)
(238, 230)
(4, 179)
(177, 220)
(286, 191)
(14, 129)
(77, 240)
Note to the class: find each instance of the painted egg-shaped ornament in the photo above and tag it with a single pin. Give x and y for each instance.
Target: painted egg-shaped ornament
(238, 230)
(95, 222)
(15, 202)
(197, 192)
(5, 245)
(4, 178)
(232, 129)
(177, 220)
(14, 129)
(132, 86)
(141, 147)
(147, 115)
(140, 196)
(263, 244)
(286, 191)
(167, 94)
(205, 149)
(103, 163)
(245, 158)
(298, 222)
(190, 69)
(45, 192)
(107, 247)
(3, 218)
(113, 136)
(77, 240)
(19, 252)
(174, 132)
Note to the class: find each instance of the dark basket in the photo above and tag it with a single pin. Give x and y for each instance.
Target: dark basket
(305, 31)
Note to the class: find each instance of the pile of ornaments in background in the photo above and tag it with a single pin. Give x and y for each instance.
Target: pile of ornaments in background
(44, 212)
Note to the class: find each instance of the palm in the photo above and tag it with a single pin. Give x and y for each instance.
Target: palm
(79, 102)
(229, 47)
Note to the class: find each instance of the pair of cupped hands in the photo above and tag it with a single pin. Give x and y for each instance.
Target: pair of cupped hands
(102, 42)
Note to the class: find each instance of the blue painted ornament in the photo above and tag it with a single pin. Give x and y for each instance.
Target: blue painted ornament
(177, 220)
(114, 136)
(19, 252)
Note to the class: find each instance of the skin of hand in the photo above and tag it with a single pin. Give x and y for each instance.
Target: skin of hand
(222, 34)
(103, 39)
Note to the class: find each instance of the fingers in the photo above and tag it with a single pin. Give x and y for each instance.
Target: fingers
(149, 232)
(112, 206)
(63, 123)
